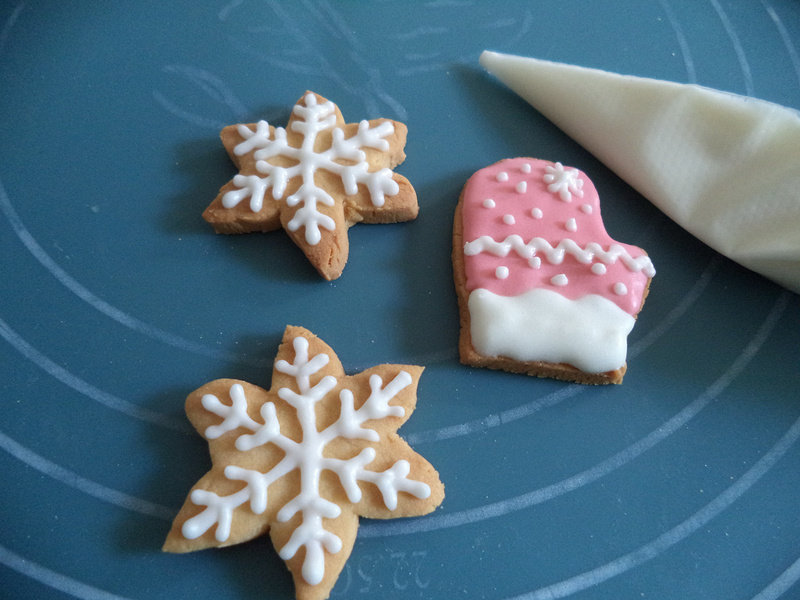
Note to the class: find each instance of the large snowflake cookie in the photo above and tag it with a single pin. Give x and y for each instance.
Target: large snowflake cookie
(304, 460)
(542, 288)
(315, 178)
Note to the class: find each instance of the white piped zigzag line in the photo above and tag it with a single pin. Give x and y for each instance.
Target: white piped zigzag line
(555, 254)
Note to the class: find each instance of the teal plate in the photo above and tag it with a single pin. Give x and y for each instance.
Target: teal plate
(117, 300)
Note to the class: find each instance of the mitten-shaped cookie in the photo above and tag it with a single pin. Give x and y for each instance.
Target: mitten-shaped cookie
(542, 288)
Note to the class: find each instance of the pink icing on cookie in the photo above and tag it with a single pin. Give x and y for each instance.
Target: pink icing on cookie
(543, 230)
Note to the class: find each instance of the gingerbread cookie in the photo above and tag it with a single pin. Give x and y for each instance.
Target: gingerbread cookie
(542, 288)
(304, 459)
(315, 178)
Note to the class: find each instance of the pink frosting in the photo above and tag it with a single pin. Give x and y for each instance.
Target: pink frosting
(532, 199)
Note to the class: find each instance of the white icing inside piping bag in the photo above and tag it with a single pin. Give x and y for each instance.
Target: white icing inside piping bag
(724, 167)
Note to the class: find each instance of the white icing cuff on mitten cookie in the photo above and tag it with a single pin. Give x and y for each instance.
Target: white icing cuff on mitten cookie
(589, 333)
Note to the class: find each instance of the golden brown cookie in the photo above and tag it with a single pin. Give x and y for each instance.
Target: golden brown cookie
(315, 178)
(542, 288)
(304, 459)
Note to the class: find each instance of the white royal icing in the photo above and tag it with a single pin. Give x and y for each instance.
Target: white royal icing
(313, 119)
(589, 333)
(564, 182)
(572, 312)
(307, 456)
(723, 166)
(555, 254)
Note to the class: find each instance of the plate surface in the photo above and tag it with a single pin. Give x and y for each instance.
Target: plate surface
(117, 300)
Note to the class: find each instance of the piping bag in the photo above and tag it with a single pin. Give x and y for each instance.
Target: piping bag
(724, 167)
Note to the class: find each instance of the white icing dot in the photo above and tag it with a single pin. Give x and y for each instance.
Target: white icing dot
(599, 269)
(525, 168)
(488, 203)
(535, 262)
(502, 176)
(536, 213)
(501, 272)
(509, 219)
(586, 208)
(522, 187)
(620, 289)
(559, 280)
(572, 225)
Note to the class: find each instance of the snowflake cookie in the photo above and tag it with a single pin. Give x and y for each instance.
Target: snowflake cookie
(315, 178)
(304, 459)
(542, 288)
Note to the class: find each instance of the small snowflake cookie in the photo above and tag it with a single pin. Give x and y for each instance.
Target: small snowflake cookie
(315, 178)
(542, 288)
(303, 460)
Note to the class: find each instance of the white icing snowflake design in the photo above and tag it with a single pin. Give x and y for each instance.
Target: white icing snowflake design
(310, 456)
(564, 182)
(313, 118)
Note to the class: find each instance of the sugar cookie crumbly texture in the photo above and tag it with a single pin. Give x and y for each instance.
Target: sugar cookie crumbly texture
(304, 459)
(315, 178)
(542, 288)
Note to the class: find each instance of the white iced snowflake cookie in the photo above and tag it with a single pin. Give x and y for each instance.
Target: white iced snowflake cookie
(304, 459)
(315, 178)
